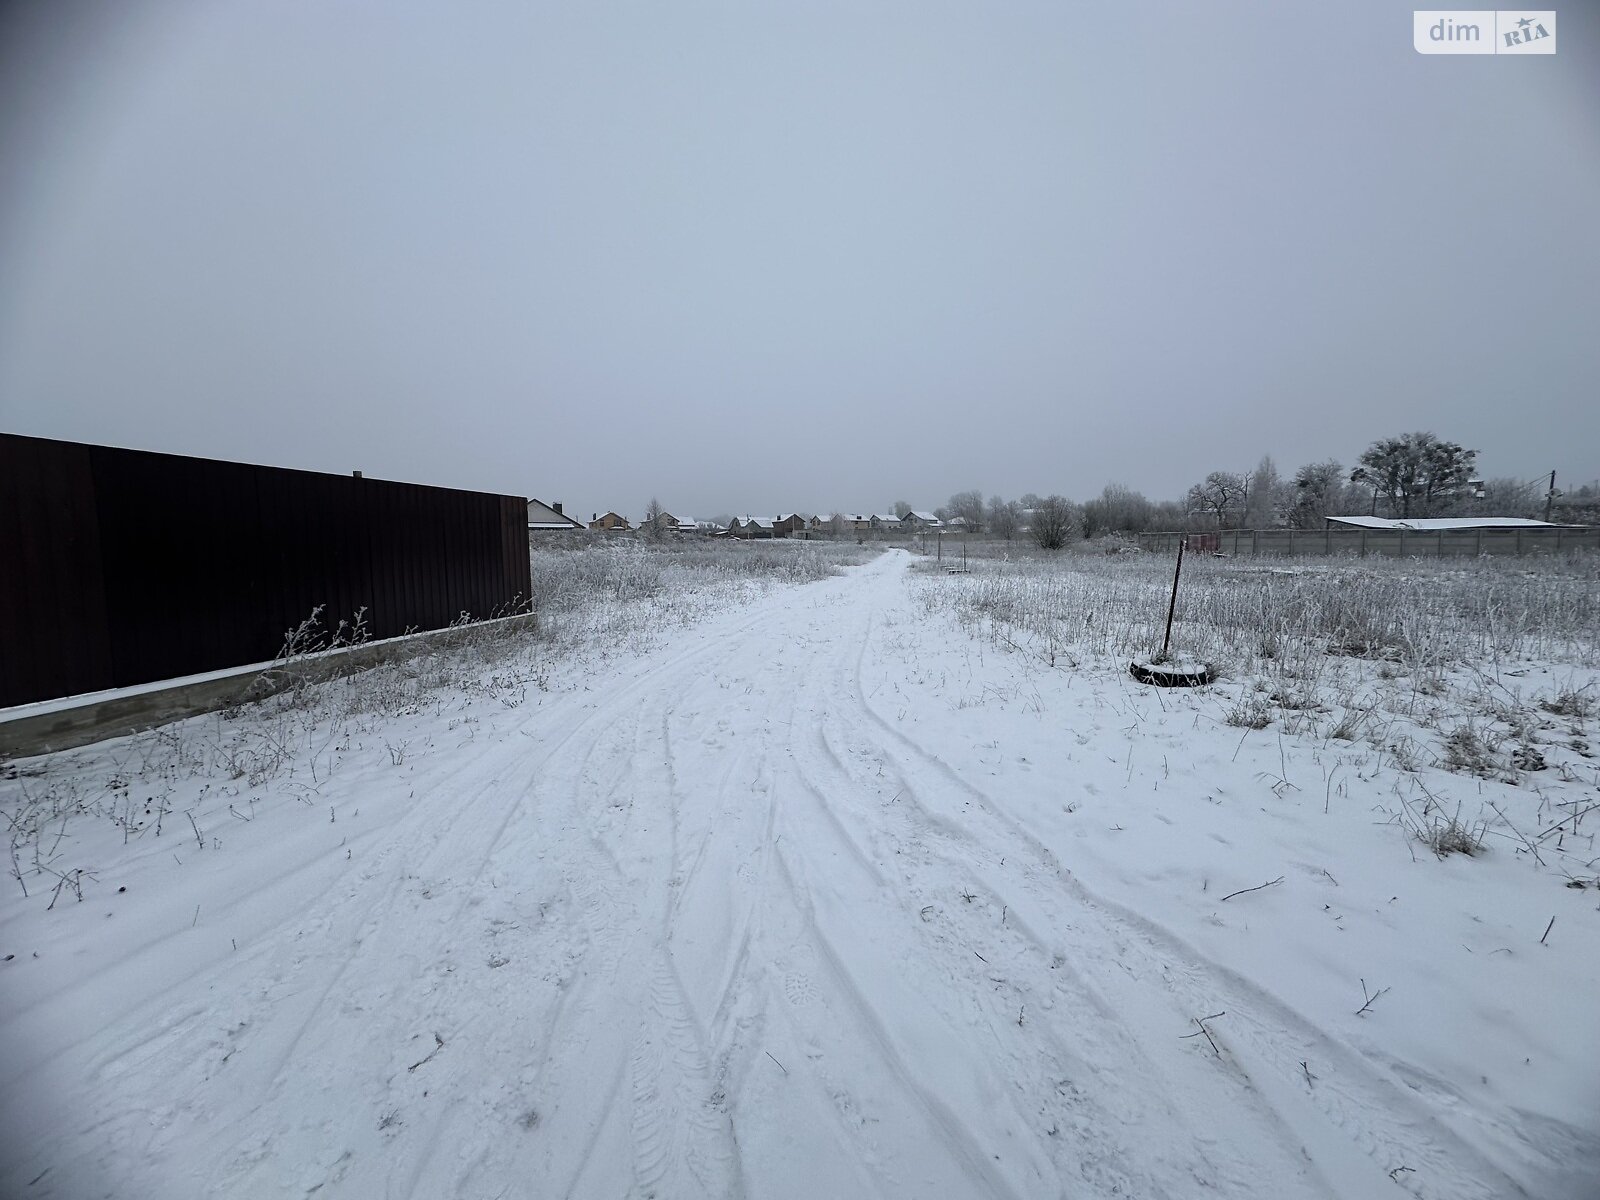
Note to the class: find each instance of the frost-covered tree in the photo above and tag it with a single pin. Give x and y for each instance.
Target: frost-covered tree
(1003, 517)
(1054, 519)
(1118, 509)
(652, 525)
(1416, 472)
(1511, 498)
(1317, 491)
(1261, 500)
(1221, 492)
(968, 505)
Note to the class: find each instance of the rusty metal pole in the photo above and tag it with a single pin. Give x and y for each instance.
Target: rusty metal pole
(1173, 606)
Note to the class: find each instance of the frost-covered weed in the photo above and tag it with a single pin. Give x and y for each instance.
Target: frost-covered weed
(1250, 613)
(193, 779)
(1343, 648)
(567, 577)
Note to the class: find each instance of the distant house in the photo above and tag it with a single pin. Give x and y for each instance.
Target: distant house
(882, 523)
(751, 527)
(1438, 524)
(609, 523)
(921, 520)
(665, 522)
(852, 524)
(960, 525)
(548, 518)
(788, 524)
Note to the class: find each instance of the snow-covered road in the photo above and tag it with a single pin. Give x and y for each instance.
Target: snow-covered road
(727, 923)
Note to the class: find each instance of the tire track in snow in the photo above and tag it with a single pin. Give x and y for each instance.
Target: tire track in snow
(1070, 1054)
(488, 817)
(1266, 1038)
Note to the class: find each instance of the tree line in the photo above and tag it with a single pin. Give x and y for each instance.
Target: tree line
(1411, 475)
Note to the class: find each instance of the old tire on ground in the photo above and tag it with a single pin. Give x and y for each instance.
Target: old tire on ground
(1170, 675)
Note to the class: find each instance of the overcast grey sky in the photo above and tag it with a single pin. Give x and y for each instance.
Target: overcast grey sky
(754, 257)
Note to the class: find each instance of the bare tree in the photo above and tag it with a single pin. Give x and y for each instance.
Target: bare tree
(1221, 492)
(969, 507)
(1511, 498)
(1053, 521)
(652, 524)
(1117, 509)
(901, 508)
(1003, 517)
(1261, 502)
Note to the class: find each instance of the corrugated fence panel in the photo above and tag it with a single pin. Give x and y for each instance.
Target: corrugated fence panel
(52, 595)
(126, 566)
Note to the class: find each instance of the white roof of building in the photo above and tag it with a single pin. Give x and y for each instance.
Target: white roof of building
(924, 516)
(885, 517)
(758, 522)
(1435, 524)
(543, 516)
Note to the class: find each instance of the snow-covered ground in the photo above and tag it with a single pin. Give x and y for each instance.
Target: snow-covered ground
(815, 895)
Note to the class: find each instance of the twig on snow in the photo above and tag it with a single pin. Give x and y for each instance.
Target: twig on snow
(1201, 1021)
(1369, 999)
(438, 1045)
(1257, 888)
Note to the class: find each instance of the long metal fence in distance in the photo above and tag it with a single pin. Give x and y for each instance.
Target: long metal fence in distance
(1398, 543)
(121, 567)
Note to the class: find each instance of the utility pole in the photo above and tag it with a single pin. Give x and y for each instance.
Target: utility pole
(1550, 497)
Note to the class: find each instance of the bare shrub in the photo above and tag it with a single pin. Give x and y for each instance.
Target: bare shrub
(1445, 834)
(1250, 713)
(1575, 702)
(1348, 727)
(1053, 522)
(1467, 750)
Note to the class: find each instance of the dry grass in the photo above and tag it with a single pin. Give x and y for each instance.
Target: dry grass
(1431, 664)
(1248, 614)
(194, 779)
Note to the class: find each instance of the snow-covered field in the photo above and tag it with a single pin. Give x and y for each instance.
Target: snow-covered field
(891, 884)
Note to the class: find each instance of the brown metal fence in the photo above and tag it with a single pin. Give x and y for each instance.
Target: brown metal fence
(1397, 543)
(120, 567)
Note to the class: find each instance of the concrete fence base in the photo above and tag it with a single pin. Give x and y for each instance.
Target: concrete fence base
(51, 725)
(1395, 543)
